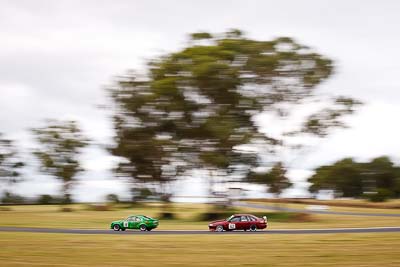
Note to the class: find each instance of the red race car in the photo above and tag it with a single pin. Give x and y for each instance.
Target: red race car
(239, 222)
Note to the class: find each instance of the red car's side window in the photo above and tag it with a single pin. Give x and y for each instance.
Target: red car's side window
(235, 219)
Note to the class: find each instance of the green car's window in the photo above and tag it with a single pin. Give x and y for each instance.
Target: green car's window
(130, 219)
(137, 219)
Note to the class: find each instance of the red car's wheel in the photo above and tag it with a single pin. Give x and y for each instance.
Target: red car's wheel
(253, 228)
(219, 228)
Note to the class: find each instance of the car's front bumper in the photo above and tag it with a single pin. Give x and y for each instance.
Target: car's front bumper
(212, 227)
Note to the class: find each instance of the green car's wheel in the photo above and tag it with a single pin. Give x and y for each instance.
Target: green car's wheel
(143, 227)
(116, 227)
(219, 228)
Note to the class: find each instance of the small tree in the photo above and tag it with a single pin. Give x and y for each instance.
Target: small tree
(275, 179)
(112, 198)
(45, 199)
(60, 144)
(10, 165)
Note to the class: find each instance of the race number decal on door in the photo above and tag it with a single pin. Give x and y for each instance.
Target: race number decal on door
(232, 226)
(125, 224)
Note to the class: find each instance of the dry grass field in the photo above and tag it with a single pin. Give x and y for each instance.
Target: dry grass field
(30, 249)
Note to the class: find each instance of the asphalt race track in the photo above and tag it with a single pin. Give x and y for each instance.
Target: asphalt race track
(200, 232)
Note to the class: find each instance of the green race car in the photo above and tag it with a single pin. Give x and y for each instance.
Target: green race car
(141, 222)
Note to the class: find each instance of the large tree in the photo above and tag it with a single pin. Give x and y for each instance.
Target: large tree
(60, 144)
(196, 108)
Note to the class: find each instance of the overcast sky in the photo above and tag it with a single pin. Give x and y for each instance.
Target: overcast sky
(56, 57)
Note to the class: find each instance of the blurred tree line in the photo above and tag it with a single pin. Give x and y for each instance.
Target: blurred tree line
(196, 109)
(377, 180)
